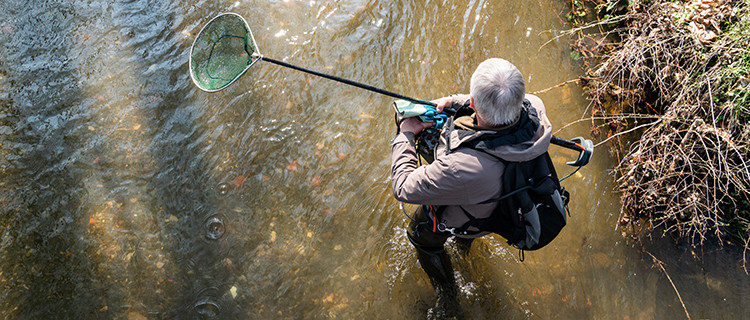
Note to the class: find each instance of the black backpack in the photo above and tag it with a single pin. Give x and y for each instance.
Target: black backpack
(533, 212)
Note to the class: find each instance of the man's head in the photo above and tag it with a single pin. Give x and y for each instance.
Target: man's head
(497, 91)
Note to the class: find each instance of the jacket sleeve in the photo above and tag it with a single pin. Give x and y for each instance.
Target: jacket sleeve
(460, 101)
(440, 183)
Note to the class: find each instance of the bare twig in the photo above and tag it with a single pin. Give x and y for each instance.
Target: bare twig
(619, 116)
(565, 33)
(744, 256)
(561, 84)
(628, 131)
(661, 265)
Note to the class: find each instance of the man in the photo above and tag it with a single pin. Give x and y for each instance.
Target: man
(502, 122)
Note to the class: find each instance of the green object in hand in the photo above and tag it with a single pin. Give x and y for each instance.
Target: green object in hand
(408, 109)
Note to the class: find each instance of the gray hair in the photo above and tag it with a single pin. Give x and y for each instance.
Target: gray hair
(498, 90)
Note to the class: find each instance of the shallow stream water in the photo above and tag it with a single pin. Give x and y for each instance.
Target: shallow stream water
(128, 193)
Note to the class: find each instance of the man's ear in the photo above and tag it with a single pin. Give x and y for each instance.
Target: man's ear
(471, 103)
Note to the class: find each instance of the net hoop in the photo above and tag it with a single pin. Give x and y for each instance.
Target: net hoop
(256, 53)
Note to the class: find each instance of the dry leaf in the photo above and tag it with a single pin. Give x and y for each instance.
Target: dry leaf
(136, 127)
(239, 181)
(342, 156)
(316, 181)
(293, 166)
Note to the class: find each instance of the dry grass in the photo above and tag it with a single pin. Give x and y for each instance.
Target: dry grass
(687, 62)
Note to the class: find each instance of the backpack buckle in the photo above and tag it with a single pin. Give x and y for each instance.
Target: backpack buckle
(443, 228)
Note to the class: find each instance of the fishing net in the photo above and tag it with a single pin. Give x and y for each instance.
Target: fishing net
(222, 52)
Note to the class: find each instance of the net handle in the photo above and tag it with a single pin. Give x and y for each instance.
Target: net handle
(342, 80)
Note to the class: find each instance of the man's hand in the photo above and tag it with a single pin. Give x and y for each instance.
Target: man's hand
(414, 125)
(442, 103)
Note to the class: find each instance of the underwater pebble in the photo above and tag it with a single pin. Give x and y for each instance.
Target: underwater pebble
(136, 316)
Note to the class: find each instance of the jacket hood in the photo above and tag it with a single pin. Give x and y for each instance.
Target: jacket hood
(524, 140)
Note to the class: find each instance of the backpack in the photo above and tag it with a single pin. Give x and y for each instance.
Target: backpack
(534, 212)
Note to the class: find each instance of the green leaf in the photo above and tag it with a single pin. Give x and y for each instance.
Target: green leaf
(575, 55)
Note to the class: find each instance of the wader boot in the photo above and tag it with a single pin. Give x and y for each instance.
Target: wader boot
(437, 264)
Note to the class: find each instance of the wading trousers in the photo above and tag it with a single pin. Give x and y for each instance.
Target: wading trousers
(435, 260)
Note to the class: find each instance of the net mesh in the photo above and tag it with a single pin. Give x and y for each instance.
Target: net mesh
(222, 52)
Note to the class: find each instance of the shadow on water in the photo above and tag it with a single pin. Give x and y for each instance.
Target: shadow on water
(106, 210)
(694, 280)
(196, 224)
(47, 269)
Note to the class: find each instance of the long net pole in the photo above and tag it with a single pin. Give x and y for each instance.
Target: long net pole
(349, 82)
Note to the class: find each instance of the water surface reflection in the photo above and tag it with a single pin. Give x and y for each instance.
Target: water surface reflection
(128, 193)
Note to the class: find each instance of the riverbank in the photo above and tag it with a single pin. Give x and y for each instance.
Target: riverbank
(669, 85)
